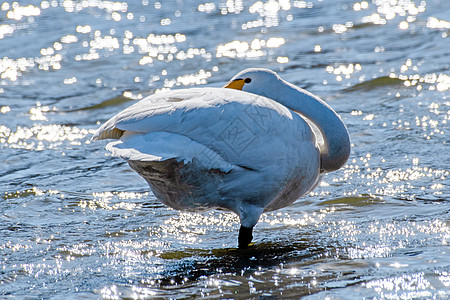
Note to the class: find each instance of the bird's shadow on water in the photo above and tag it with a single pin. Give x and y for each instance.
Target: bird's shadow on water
(192, 264)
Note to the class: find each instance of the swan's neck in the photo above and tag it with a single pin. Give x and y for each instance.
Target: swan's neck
(336, 148)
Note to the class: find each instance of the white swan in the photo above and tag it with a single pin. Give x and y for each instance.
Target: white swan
(256, 145)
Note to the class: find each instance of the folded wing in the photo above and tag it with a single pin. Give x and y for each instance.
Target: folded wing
(221, 128)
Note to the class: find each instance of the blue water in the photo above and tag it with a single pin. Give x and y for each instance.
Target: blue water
(77, 223)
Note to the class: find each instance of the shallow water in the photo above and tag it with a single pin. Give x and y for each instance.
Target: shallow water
(77, 223)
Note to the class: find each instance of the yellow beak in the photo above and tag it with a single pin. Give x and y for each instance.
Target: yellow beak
(236, 84)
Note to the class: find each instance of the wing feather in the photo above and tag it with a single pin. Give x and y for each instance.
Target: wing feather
(241, 128)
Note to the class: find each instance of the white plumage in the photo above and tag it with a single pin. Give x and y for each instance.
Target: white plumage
(206, 148)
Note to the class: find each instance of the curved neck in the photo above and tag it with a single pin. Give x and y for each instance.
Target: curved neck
(336, 148)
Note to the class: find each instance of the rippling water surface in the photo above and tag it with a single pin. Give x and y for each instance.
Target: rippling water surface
(77, 223)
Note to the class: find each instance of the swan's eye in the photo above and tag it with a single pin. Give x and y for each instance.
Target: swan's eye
(247, 80)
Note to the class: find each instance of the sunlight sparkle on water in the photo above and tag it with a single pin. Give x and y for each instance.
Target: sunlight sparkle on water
(5, 109)
(408, 73)
(280, 218)
(17, 12)
(433, 22)
(269, 12)
(110, 6)
(343, 71)
(106, 200)
(40, 137)
(389, 10)
(243, 49)
(6, 30)
(405, 286)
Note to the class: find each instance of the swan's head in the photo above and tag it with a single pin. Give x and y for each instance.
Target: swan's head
(262, 82)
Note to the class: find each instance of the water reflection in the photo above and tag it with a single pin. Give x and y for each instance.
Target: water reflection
(302, 264)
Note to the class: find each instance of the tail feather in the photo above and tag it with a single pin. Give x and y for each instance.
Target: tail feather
(114, 134)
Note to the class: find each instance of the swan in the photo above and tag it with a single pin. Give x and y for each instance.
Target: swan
(253, 146)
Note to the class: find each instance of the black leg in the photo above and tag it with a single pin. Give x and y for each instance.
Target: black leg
(245, 237)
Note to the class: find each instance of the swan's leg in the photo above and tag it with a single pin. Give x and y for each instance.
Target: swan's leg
(245, 237)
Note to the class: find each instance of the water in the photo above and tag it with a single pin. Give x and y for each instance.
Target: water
(76, 223)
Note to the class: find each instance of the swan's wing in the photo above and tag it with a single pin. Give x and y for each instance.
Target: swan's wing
(161, 146)
(150, 114)
(190, 106)
(242, 128)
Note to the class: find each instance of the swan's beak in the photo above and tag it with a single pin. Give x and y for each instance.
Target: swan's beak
(236, 84)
